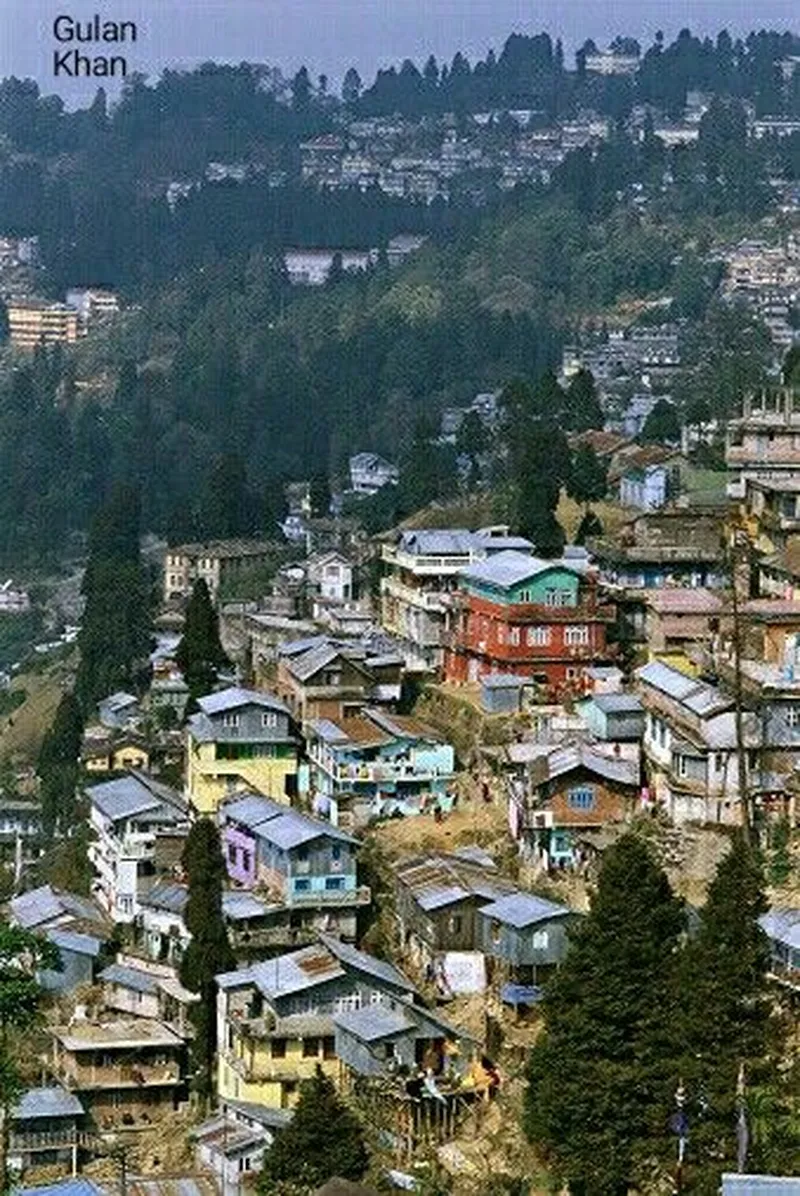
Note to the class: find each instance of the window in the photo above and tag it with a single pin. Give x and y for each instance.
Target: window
(336, 852)
(232, 853)
(540, 940)
(455, 924)
(576, 635)
(376, 997)
(302, 886)
(278, 1048)
(513, 636)
(246, 860)
(572, 674)
(334, 883)
(538, 636)
(348, 1003)
(269, 718)
(581, 799)
(793, 716)
(310, 1048)
(719, 761)
(231, 719)
(501, 633)
(328, 1048)
(681, 765)
(558, 598)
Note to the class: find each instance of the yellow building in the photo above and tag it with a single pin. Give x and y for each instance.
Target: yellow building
(35, 321)
(240, 739)
(107, 753)
(275, 1018)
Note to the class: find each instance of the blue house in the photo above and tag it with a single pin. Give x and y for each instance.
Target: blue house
(526, 937)
(389, 763)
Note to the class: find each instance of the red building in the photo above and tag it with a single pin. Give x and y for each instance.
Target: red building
(541, 619)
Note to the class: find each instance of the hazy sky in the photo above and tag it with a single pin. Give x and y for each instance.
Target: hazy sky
(329, 35)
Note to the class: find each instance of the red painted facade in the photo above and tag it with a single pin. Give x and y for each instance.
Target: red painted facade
(551, 643)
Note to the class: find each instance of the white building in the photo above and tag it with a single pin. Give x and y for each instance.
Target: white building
(330, 576)
(311, 267)
(139, 827)
(369, 473)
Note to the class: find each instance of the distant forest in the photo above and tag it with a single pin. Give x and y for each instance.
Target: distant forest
(222, 382)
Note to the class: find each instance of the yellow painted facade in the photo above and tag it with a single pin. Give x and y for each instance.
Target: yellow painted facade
(211, 776)
(118, 759)
(253, 1071)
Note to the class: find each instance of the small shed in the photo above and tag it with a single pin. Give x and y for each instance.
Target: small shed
(44, 1128)
(378, 1040)
(526, 935)
(617, 718)
(78, 954)
(130, 990)
(501, 693)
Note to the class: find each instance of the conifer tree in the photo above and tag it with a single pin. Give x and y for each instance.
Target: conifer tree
(599, 1077)
(209, 952)
(57, 767)
(323, 1139)
(199, 655)
(725, 1013)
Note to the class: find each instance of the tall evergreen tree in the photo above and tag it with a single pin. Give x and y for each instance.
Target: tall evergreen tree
(725, 1011)
(200, 655)
(582, 406)
(114, 636)
(599, 1076)
(209, 951)
(588, 480)
(57, 767)
(324, 1139)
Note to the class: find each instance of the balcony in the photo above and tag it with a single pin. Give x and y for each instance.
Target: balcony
(422, 565)
(362, 895)
(374, 773)
(121, 1075)
(429, 600)
(61, 1139)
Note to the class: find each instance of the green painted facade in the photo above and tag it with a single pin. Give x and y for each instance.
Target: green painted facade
(538, 590)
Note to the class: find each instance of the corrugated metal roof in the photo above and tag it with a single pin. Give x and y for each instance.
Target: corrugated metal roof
(509, 568)
(281, 825)
(71, 940)
(277, 1118)
(458, 541)
(436, 881)
(47, 1102)
(67, 1187)
(505, 681)
(760, 1185)
(236, 906)
(523, 909)
(438, 898)
(782, 925)
(373, 1022)
(133, 978)
(328, 731)
(670, 681)
(366, 963)
(251, 809)
(233, 698)
(130, 795)
(166, 895)
(618, 703)
(36, 907)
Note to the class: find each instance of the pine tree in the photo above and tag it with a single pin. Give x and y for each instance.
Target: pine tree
(725, 1013)
(582, 407)
(209, 951)
(662, 425)
(588, 480)
(599, 1076)
(57, 767)
(199, 654)
(323, 1139)
(114, 636)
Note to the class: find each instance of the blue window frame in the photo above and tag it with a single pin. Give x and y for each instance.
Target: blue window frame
(581, 799)
(334, 882)
(302, 886)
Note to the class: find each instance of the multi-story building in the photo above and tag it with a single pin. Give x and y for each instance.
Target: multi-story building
(763, 444)
(540, 619)
(304, 866)
(376, 764)
(275, 1018)
(335, 679)
(216, 562)
(690, 746)
(123, 1072)
(421, 574)
(679, 619)
(139, 829)
(370, 472)
(32, 322)
(240, 739)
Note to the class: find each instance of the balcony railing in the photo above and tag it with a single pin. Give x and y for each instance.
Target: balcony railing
(49, 1139)
(375, 773)
(359, 896)
(120, 1076)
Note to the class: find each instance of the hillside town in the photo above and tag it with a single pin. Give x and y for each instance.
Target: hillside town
(400, 644)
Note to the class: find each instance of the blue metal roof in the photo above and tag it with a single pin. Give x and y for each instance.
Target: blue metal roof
(373, 1022)
(618, 703)
(279, 824)
(509, 568)
(38, 906)
(133, 978)
(277, 1118)
(132, 794)
(782, 925)
(70, 940)
(47, 1102)
(760, 1185)
(520, 994)
(236, 697)
(523, 909)
(66, 1187)
(251, 809)
(237, 906)
(166, 895)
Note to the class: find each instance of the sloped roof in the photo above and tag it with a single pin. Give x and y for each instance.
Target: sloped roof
(507, 569)
(133, 978)
(236, 697)
(72, 940)
(618, 703)
(439, 880)
(166, 895)
(135, 793)
(759, 1185)
(327, 959)
(782, 925)
(373, 1022)
(697, 696)
(523, 909)
(47, 1102)
(36, 907)
(363, 962)
(459, 541)
(281, 825)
